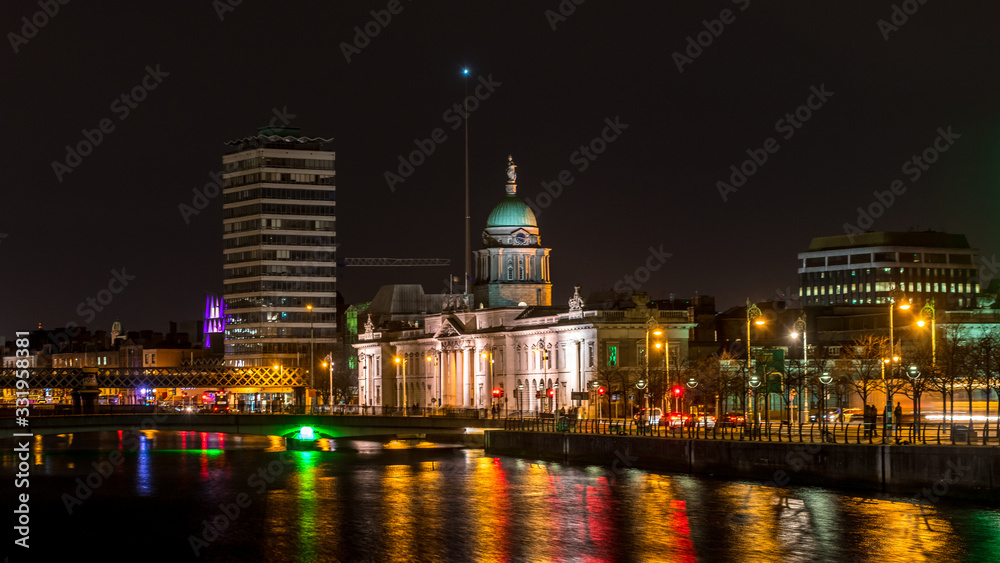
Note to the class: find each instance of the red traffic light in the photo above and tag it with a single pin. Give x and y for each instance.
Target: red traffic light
(552, 392)
(600, 391)
(498, 392)
(678, 391)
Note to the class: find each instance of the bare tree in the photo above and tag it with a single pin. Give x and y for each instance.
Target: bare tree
(984, 357)
(951, 364)
(863, 364)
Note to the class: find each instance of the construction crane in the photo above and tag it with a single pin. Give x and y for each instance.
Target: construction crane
(395, 262)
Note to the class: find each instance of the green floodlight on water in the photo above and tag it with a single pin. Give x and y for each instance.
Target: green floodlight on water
(305, 433)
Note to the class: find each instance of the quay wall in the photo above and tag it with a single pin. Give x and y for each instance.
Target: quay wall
(923, 472)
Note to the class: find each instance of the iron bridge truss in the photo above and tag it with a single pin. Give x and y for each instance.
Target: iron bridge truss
(134, 378)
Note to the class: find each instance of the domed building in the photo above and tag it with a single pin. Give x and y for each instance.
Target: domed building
(509, 349)
(513, 268)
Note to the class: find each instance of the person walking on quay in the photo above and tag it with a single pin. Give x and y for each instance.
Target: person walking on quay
(897, 415)
(868, 421)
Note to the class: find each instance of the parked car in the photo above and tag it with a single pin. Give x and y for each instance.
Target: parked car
(732, 419)
(837, 414)
(677, 419)
(653, 418)
(703, 420)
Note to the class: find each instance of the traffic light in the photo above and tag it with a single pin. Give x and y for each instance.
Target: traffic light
(601, 391)
(552, 392)
(498, 392)
(678, 390)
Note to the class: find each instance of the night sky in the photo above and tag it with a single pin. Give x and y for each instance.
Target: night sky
(63, 233)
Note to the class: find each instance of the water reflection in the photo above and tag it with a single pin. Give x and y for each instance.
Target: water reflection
(415, 501)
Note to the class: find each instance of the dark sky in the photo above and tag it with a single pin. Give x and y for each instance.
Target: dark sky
(654, 186)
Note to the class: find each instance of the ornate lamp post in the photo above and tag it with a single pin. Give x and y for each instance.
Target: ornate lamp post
(403, 362)
(895, 296)
(825, 379)
(328, 361)
(312, 361)
(800, 326)
(641, 386)
(651, 327)
(544, 354)
(755, 315)
(488, 354)
(927, 312)
(432, 358)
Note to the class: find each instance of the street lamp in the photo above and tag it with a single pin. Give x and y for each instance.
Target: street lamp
(800, 326)
(520, 392)
(432, 358)
(545, 377)
(895, 296)
(329, 361)
(651, 326)
(641, 386)
(488, 354)
(755, 315)
(825, 379)
(403, 362)
(312, 361)
(927, 312)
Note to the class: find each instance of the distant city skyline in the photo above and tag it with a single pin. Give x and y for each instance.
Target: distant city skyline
(715, 140)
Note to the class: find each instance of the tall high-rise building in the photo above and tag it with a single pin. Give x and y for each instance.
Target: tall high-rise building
(279, 233)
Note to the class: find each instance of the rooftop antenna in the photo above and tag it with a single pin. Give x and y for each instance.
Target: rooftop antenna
(468, 240)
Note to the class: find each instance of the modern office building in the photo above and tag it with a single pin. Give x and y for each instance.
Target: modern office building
(279, 231)
(862, 269)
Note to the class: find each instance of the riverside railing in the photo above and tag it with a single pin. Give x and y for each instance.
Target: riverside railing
(834, 433)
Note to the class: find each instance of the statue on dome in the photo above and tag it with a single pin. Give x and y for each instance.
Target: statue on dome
(511, 172)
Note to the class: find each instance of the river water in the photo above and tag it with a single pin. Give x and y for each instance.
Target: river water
(179, 496)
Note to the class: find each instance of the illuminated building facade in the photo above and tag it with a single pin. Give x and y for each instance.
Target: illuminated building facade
(279, 223)
(512, 348)
(862, 269)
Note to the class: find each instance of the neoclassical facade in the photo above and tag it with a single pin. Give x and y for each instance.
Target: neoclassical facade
(505, 344)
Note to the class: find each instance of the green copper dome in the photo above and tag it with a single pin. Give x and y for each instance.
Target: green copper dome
(511, 212)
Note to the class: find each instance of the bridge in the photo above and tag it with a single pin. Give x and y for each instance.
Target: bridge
(286, 425)
(131, 378)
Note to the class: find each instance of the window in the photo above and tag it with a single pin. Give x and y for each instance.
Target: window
(590, 354)
(612, 355)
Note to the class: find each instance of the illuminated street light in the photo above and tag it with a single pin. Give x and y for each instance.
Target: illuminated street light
(403, 362)
(895, 296)
(800, 326)
(753, 314)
